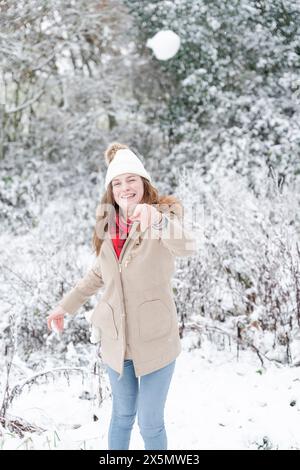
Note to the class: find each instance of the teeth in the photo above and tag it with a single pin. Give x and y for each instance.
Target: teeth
(126, 197)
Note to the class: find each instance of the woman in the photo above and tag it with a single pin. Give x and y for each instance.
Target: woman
(137, 236)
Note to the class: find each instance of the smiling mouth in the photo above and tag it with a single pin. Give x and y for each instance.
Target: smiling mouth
(128, 197)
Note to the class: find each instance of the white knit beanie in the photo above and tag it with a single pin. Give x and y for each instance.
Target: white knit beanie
(125, 161)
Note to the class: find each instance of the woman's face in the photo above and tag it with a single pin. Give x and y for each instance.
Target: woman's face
(128, 191)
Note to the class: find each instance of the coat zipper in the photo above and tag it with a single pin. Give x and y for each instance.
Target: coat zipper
(119, 261)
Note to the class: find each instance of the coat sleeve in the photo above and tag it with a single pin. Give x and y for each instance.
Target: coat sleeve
(83, 290)
(175, 237)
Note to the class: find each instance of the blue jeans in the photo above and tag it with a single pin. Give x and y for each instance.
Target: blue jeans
(146, 397)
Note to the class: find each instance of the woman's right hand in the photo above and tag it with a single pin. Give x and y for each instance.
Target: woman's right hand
(55, 320)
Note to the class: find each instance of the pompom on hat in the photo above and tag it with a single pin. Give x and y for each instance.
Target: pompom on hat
(120, 159)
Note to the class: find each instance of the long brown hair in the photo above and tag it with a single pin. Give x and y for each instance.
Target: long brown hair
(150, 196)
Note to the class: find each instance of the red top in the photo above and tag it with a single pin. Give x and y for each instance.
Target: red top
(119, 233)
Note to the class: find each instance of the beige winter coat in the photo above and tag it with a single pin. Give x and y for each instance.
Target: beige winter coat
(136, 314)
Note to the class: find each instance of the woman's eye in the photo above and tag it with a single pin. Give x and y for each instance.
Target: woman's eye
(118, 184)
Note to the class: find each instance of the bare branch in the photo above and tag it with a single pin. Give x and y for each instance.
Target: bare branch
(26, 104)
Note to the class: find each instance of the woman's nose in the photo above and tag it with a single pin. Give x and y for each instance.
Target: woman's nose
(125, 187)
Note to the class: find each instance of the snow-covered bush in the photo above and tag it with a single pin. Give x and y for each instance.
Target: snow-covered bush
(247, 271)
(51, 249)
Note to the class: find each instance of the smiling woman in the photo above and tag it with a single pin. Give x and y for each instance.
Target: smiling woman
(137, 236)
(128, 190)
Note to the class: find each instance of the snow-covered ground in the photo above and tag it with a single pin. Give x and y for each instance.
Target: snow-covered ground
(214, 402)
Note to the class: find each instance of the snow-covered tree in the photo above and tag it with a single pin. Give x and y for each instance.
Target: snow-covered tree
(67, 79)
(234, 83)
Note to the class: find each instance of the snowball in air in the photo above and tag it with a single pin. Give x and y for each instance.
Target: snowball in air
(164, 44)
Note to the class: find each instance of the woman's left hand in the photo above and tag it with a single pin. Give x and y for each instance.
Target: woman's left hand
(146, 215)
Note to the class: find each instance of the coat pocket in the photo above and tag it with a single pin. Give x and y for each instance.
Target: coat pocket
(154, 319)
(103, 318)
